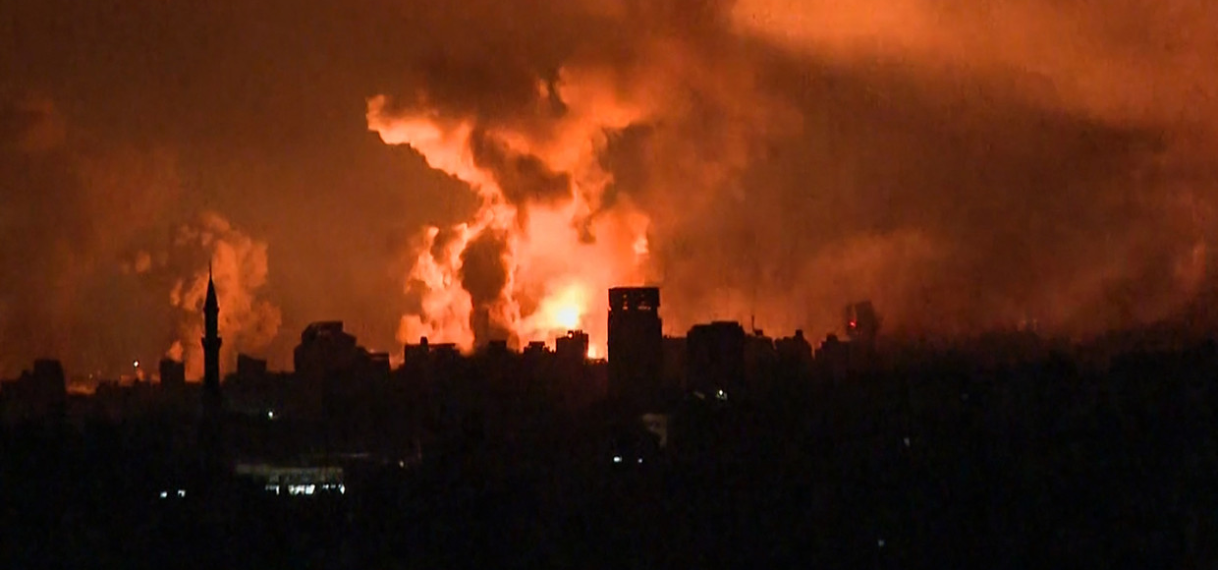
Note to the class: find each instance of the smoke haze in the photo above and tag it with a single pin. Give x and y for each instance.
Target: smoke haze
(238, 266)
(964, 165)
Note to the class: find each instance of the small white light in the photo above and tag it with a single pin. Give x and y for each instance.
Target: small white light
(270, 414)
(640, 460)
(181, 492)
(342, 488)
(907, 442)
(617, 458)
(880, 543)
(164, 494)
(136, 364)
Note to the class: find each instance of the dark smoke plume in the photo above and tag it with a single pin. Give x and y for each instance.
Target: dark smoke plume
(787, 164)
(964, 164)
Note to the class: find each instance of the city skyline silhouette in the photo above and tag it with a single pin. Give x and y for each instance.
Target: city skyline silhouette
(608, 284)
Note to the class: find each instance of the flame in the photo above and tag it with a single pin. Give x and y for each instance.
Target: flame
(569, 316)
(559, 257)
(238, 264)
(641, 247)
(559, 312)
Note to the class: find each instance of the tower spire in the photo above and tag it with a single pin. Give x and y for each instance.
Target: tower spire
(211, 343)
(210, 307)
(212, 440)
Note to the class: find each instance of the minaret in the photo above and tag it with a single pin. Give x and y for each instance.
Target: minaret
(211, 350)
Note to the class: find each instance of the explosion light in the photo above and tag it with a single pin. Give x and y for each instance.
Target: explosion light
(567, 316)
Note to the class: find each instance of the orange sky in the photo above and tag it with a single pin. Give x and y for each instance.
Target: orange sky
(963, 164)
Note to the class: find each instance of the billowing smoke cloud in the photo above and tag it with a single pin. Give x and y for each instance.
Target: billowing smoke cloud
(529, 131)
(1126, 60)
(780, 159)
(1057, 154)
(90, 277)
(238, 265)
(964, 164)
(485, 278)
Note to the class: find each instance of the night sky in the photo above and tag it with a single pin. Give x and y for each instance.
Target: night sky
(963, 164)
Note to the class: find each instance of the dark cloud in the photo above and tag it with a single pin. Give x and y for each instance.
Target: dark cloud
(485, 274)
(483, 268)
(523, 179)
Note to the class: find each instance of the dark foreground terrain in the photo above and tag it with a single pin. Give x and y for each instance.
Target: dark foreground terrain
(937, 463)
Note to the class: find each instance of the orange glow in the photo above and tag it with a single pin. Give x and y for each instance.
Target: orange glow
(80, 389)
(561, 311)
(641, 247)
(568, 316)
(556, 278)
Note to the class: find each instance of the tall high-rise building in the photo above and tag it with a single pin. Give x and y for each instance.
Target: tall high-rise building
(636, 346)
(211, 350)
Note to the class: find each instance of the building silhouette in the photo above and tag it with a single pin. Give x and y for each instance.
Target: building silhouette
(536, 348)
(832, 359)
(38, 394)
(325, 349)
(173, 374)
(250, 367)
(715, 358)
(636, 346)
(674, 375)
(425, 358)
(211, 351)
(572, 347)
(795, 353)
